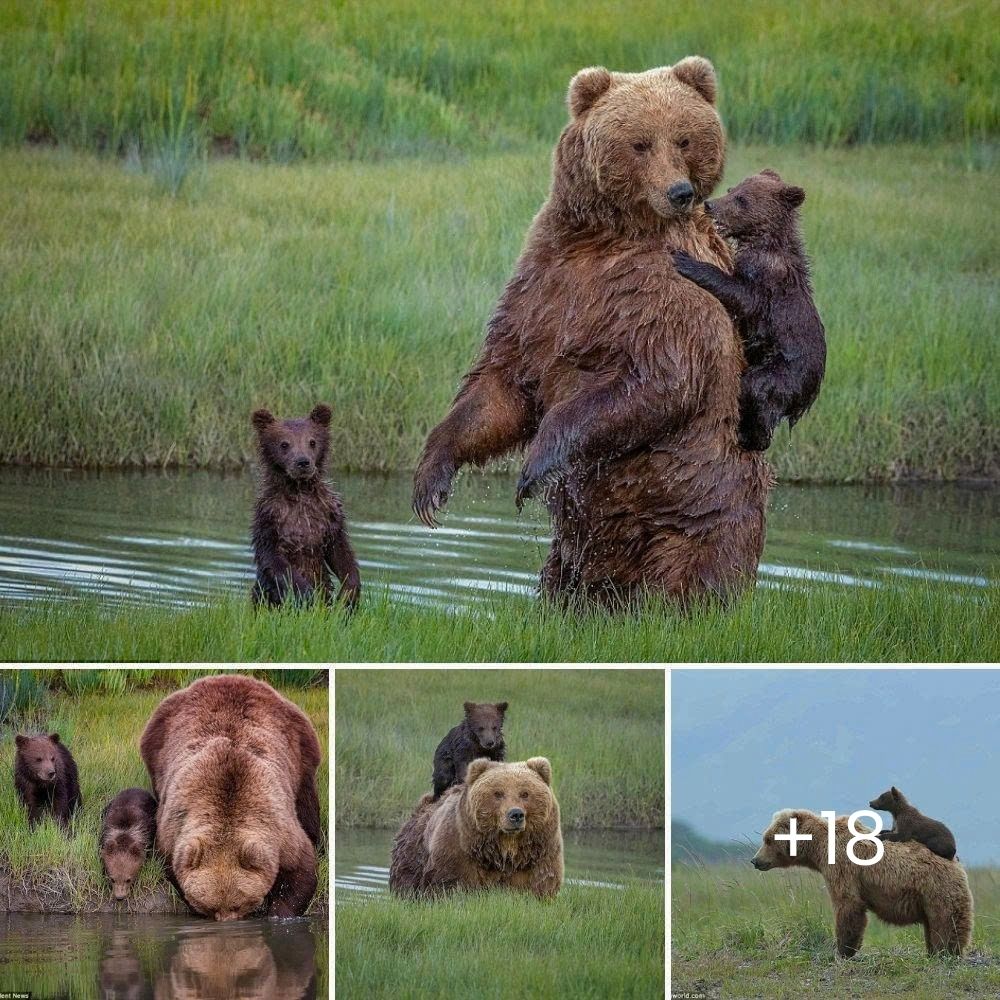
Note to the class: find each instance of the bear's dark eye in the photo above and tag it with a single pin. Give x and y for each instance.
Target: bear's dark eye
(524, 795)
(741, 201)
(498, 795)
(312, 443)
(684, 143)
(285, 446)
(642, 147)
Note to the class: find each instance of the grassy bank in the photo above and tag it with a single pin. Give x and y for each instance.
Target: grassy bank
(602, 730)
(137, 329)
(44, 869)
(772, 935)
(270, 79)
(823, 623)
(587, 943)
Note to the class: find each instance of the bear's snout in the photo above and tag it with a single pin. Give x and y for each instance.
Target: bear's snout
(761, 866)
(515, 817)
(49, 775)
(121, 891)
(681, 194)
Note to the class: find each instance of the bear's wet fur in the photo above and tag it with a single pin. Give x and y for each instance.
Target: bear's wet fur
(233, 766)
(618, 377)
(46, 778)
(299, 532)
(908, 823)
(479, 734)
(128, 829)
(769, 294)
(499, 829)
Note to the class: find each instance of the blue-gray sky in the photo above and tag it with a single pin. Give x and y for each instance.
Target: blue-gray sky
(746, 743)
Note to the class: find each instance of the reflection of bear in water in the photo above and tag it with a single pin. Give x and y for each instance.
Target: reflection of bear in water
(244, 961)
(120, 976)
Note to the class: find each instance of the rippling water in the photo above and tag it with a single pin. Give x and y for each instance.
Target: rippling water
(601, 858)
(175, 538)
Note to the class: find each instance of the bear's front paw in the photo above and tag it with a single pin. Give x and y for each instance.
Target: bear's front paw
(431, 488)
(538, 473)
(684, 262)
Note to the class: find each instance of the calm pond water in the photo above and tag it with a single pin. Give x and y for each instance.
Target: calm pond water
(600, 858)
(111, 957)
(174, 538)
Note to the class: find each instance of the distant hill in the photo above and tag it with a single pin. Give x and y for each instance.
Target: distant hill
(687, 846)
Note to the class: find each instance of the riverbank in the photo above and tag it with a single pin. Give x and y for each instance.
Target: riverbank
(45, 870)
(790, 622)
(368, 285)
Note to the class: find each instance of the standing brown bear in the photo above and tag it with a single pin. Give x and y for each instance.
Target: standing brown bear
(46, 778)
(233, 766)
(299, 532)
(620, 378)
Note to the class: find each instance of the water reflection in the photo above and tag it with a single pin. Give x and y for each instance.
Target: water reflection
(177, 538)
(161, 958)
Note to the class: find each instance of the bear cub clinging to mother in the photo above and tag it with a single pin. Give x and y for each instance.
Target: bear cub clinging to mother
(908, 823)
(770, 297)
(479, 734)
(299, 532)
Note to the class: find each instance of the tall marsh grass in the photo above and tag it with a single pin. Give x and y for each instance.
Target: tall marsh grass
(356, 79)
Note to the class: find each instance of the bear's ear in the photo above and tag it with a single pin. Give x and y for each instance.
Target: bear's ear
(501, 707)
(252, 855)
(54, 737)
(542, 767)
(793, 196)
(321, 414)
(262, 419)
(468, 707)
(586, 87)
(20, 740)
(895, 792)
(699, 74)
(773, 174)
(191, 854)
(477, 769)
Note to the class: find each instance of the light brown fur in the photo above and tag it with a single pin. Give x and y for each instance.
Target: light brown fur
(233, 766)
(465, 840)
(620, 378)
(910, 885)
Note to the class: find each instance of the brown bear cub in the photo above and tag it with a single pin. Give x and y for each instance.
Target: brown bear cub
(908, 823)
(127, 833)
(46, 778)
(299, 532)
(479, 734)
(770, 297)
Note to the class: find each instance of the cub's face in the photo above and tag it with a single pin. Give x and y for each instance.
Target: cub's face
(295, 448)
(486, 722)
(225, 882)
(652, 140)
(40, 756)
(509, 798)
(122, 858)
(762, 204)
(887, 800)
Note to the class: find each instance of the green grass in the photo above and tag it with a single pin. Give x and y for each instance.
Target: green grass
(310, 79)
(588, 944)
(592, 724)
(910, 622)
(771, 935)
(141, 330)
(102, 729)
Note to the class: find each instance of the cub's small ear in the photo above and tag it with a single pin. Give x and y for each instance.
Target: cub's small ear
(477, 769)
(54, 737)
(773, 174)
(468, 707)
(262, 418)
(586, 88)
(321, 414)
(542, 767)
(793, 196)
(501, 707)
(895, 792)
(20, 740)
(699, 74)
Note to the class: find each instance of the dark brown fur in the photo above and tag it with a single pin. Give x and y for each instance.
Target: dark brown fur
(299, 532)
(908, 823)
(770, 297)
(500, 829)
(127, 833)
(233, 766)
(46, 778)
(479, 734)
(619, 377)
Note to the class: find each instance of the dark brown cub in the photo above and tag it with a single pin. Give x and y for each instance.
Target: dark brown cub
(479, 734)
(46, 779)
(127, 833)
(299, 532)
(770, 297)
(908, 823)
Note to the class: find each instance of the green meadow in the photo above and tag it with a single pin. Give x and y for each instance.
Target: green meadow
(99, 715)
(906, 622)
(751, 934)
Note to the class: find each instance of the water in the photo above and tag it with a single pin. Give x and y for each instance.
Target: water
(601, 858)
(176, 538)
(111, 957)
